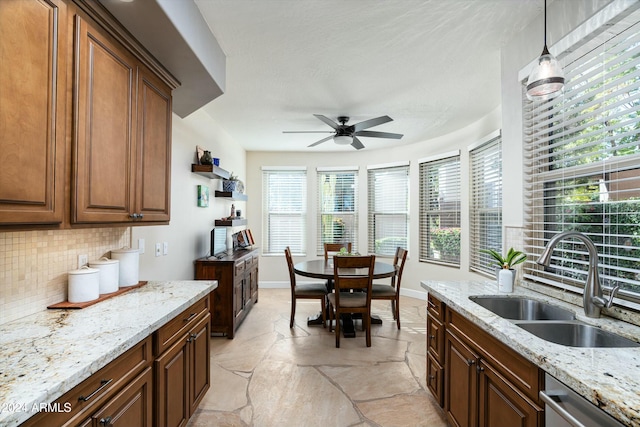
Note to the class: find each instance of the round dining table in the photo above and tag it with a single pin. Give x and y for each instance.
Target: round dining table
(321, 269)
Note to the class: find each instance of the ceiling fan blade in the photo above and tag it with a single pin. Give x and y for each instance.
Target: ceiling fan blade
(371, 123)
(327, 120)
(321, 141)
(307, 131)
(357, 144)
(375, 134)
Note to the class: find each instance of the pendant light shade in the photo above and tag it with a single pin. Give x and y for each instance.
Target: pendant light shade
(546, 80)
(343, 139)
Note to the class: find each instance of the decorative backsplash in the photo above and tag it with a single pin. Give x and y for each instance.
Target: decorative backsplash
(34, 265)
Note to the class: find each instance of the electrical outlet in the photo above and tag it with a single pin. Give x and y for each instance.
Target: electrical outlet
(141, 246)
(165, 248)
(158, 249)
(83, 260)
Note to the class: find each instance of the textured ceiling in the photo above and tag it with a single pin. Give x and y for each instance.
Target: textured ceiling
(431, 65)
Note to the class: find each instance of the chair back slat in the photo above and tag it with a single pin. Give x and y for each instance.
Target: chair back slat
(353, 272)
(330, 248)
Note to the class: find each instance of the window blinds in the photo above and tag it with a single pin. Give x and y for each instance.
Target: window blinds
(388, 216)
(485, 205)
(440, 210)
(582, 163)
(337, 208)
(284, 206)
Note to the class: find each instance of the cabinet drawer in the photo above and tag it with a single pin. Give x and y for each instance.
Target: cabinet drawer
(435, 307)
(435, 379)
(95, 390)
(239, 268)
(523, 374)
(180, 325)
(435, 338)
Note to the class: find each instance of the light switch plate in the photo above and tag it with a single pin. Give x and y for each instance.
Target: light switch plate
(141, 246)
(165, 248)
(83, 260)
(158, 249)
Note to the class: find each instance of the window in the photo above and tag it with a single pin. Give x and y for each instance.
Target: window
(388, 209)
(485, 204)
(337, 207)
(284, 206)
(440, 209)
(582, 163)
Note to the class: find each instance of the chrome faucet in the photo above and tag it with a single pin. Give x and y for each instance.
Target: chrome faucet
(592, 297)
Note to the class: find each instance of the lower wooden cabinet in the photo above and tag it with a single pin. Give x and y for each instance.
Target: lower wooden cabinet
(480, 381)
(237, 291)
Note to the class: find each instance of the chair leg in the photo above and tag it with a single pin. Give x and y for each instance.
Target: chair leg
(393, 308)
(337, 330)
(397, 304)
(366, 318)
(324, 314)
(330, 318)
(293, 312)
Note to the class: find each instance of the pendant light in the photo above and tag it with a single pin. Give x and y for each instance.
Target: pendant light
(547, 78)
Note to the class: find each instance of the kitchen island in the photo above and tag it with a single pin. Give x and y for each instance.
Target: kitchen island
(607, 377)
(45, 355)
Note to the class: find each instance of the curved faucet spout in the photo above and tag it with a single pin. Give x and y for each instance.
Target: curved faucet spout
(592, 297)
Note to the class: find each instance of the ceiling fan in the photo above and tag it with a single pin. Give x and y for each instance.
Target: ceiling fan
(344, 134)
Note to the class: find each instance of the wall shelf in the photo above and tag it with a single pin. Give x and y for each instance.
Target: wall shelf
(230, 222)
(231, 195)
(210, 171)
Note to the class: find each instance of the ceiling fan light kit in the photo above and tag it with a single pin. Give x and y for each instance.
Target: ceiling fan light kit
(344, 134)
(546, 80)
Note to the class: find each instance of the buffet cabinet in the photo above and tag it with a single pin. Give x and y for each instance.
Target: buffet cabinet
(478, 380)
(237, 291)
(86, 114)
(158, 382)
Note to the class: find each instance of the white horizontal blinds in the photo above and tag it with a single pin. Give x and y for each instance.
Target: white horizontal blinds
(440, 210)
(388, 190)
(485, 207)
(337, 208)
(284, 199)
(582, 163)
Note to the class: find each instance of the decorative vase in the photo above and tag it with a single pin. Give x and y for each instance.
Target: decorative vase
(228, 185)
(206, 158)
(505, 280)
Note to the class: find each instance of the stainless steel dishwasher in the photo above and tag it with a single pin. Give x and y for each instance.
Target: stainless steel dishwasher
(564, 407)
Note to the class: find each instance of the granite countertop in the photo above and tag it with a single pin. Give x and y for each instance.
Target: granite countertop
(607, 377)
(44, 355)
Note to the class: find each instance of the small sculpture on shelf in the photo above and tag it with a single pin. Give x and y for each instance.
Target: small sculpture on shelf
(233, 211)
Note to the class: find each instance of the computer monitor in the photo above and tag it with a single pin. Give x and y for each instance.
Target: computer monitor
(218, 241)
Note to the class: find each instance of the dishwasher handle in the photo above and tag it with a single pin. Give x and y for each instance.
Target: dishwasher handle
(551, 398)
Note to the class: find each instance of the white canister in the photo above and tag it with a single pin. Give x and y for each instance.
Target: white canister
(84, 284)
(505, 280)
(109, 274)
(129, 266)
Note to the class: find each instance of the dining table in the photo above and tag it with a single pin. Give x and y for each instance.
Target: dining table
(321, 269)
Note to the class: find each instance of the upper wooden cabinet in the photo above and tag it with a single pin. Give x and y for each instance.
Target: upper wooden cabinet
(33, 60)
(122, 150)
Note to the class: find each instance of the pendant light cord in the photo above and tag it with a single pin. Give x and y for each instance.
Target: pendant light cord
(545, 23)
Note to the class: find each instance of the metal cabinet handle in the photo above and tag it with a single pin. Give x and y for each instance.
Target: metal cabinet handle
(190, 317)
(432, 377)
(432, 337)
(140, 216)
(103, 384)
(548, 398)
(470, 362)
(105, 421)
(133, 215)
(479, 369)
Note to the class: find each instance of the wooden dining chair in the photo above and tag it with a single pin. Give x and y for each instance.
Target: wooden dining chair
(351, 276)
(331, 248)
(305, 291)
(392, 291)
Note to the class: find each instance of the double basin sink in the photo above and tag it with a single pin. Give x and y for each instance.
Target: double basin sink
(551, 323)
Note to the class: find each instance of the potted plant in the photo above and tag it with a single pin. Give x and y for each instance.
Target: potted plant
(505, 272)
(230, 183)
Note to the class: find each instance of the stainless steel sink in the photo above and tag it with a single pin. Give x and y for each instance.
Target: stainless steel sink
(575, 334)
(519, 308)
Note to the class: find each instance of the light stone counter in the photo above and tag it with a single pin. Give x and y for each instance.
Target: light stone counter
(607, 377)
(44, 355)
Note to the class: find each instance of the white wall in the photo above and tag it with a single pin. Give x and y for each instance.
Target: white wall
(188, 231)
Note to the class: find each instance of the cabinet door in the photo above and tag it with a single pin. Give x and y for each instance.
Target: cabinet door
(153, 169)
(435, 338)
(200, 364)
(501, 404)
(253, 281)
(103, 182)
(435, 379)
(172, 388)
(33, 49)
(131, 407)
(461, 383)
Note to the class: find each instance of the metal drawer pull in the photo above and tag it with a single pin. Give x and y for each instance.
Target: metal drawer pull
(190, 317)
(105, 421)
(432, 337)
(549, 400)
(103, 384)
(471, 362)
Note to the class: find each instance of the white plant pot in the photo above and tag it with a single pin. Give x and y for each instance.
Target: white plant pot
(505, 280)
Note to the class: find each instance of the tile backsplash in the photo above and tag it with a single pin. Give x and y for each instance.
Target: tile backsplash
(34, 264)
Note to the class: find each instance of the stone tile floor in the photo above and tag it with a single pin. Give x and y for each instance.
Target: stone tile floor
(270, 375)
